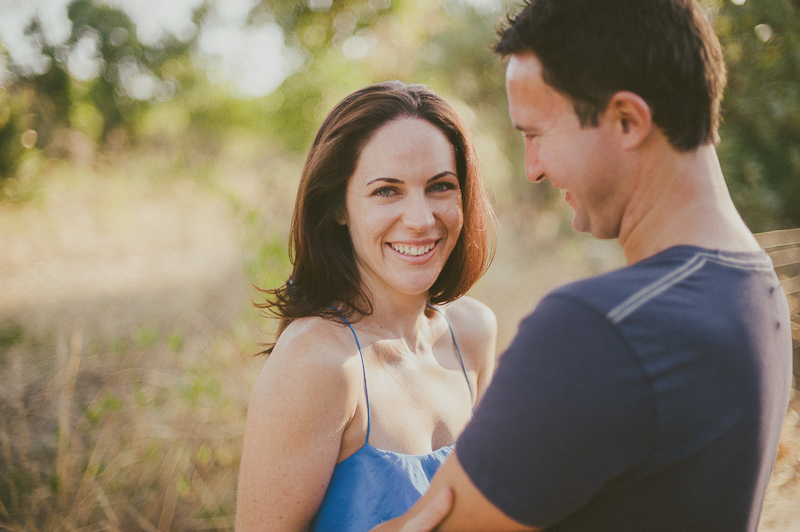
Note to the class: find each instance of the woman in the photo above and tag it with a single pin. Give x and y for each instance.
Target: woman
(379, 361)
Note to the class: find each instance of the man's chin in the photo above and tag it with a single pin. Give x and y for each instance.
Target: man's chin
(581, 224)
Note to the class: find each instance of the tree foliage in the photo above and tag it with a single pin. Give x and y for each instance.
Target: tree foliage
(129, 77)
(760, 148)
(342, 45)
(446, 46)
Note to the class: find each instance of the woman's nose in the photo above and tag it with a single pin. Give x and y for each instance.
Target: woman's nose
(419, 214)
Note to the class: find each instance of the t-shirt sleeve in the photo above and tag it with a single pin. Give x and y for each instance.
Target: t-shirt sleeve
(568, 410)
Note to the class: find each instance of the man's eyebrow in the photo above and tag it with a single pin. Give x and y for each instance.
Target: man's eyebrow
(525, 129)
(394, 180)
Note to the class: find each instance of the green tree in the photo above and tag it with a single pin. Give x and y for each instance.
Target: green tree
(760, 148)
(445, 45)
(130, 75)
(320, 32)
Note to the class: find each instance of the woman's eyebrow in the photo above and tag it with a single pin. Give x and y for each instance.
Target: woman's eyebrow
(386, 179)
(441, 175)
(394, 180)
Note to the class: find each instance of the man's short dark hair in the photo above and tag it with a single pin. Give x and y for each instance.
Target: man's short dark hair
(663, 50)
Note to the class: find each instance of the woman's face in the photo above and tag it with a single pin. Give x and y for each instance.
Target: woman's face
(403, 207)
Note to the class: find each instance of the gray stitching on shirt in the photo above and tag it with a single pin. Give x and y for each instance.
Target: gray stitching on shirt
(624, 309)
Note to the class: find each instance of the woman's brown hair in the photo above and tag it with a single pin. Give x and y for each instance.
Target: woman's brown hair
(324, 268)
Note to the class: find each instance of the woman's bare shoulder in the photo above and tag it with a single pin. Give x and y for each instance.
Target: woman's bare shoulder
(313, 348)
(475, 328)
(472, 321)
(316, 340)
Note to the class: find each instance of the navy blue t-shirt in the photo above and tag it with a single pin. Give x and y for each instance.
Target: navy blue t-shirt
(650, 398)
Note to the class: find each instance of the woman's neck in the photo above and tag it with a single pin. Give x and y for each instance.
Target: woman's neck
(397, 317)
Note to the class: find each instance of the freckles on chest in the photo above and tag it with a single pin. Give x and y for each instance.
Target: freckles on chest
(417, 420)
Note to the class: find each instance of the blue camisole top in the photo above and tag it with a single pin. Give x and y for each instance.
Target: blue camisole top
(372, 485)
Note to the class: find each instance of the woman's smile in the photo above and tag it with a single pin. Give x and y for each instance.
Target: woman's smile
(412, 250)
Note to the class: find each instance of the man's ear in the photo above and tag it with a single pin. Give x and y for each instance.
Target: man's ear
(628, 112)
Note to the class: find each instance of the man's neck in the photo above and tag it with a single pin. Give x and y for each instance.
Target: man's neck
(682, 199)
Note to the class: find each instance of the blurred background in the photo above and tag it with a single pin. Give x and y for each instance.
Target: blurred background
(149, 156)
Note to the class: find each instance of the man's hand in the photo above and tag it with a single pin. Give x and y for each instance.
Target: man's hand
(432, 514)
(454, 504)
(426, 518)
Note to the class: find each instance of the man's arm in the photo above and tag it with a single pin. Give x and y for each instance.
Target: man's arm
(471, 511)
(550, 430)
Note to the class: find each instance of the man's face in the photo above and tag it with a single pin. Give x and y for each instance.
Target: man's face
(584, 163)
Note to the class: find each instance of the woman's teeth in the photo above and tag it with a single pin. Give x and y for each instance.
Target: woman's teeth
(412, 251)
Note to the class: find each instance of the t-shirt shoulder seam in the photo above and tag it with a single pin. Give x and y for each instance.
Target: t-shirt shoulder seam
(676, 275)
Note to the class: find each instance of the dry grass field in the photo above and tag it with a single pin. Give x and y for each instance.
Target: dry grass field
(126, 338)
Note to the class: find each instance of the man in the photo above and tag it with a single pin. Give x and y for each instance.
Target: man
(650, 398)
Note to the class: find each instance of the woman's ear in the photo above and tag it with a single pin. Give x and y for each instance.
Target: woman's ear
(341, 216)
(630, 113)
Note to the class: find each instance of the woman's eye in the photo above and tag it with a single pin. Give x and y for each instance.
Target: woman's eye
(383, 191)
(442, 186)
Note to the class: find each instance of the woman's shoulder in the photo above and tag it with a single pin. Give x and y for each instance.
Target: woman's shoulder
(313, 330)
(475, 329)
(316, 349)
(471, 318)
(474, 326)
(316, 340)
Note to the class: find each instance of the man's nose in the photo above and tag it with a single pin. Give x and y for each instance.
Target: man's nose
(533, 168)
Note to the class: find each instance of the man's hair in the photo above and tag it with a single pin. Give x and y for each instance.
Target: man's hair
(324, 265)
(663, 50)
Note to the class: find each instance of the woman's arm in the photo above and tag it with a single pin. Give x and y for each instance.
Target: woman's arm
(301, 404)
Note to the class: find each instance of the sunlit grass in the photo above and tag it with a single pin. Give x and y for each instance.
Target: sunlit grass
(115, 412)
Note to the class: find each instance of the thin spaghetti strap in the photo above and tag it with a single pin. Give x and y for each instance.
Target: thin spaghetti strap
(458, 351)
(364, 369)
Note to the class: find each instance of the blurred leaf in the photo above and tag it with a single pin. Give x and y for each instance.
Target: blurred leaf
(760, 148)
(146, 337)
(174, 341)
(10, 334)
(204, 453)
